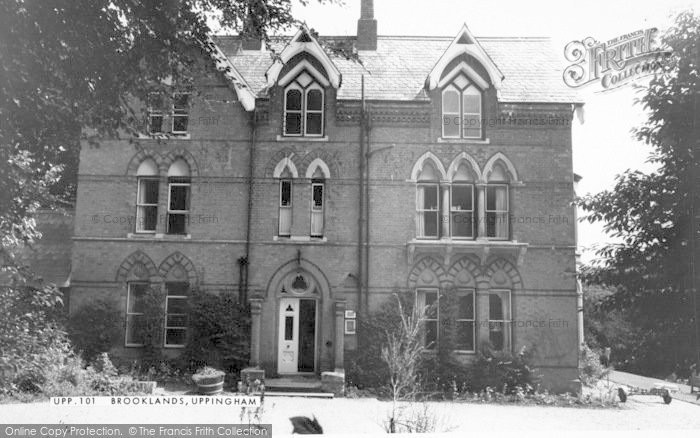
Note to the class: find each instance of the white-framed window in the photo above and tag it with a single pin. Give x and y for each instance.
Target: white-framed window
(156, 116)
(317, 207)
(285, 209)
(497, 223)
(303, 107)
(465, 330)
(178, 205)
(175, 332)
(135, 335)
(180, 113)
(147, 205)
(429, 300)
(462, 211)
(500, 320)
(461, 109)
(428, 210)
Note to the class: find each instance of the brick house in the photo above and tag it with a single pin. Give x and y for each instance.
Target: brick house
(315, 186)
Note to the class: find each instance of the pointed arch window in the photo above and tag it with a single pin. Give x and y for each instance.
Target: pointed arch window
(179, 184)
(462, 109)
(147, 197)
(428, 203)
(497, 208)
(462, 216)
(304, 107)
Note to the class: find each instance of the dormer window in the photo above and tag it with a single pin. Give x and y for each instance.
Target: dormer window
(461, 109)
(303, 107)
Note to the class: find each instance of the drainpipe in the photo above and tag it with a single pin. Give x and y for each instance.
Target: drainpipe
(244, 262)
(367, 205)
(360, 197)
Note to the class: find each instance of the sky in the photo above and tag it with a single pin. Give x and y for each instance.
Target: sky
(603, 145)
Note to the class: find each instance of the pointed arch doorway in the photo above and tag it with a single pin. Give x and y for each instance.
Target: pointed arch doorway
(298, 324)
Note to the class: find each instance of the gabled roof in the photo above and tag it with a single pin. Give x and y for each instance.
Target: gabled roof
(301, 42)
(223, 64)
(465, 43)
(398, 69)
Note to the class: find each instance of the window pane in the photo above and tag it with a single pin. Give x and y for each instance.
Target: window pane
(431, 300)
(175, 336)
(148, 191)
(285, 222)
(430, 197)
(181, 289)
(314, 123)
(177, 224)
(137, 296)
(180, 102)
(451, 125)
(496, 335)
(147, 218)
(472, 102)
(431, 334)
(450, 101)
(294, 100)
(463, 224)
(472, 126)
(495, 307)
(286, 193)
(292, 123)
(177, 305)
(430, 223)
(464, 336)
(180, 123)
(288, 328)
(314, 100)
(179, 197)
(135, 329)
(155, 101)
(176, 321)
(462, 197)
(466, 307)
(318, 196)
(155, 124)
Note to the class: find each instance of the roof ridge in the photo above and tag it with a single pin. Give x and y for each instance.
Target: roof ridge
(431, 37)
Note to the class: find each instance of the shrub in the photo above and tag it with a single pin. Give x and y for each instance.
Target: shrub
(590, 368)
(219, 333)
(95, 327)
(504, 371)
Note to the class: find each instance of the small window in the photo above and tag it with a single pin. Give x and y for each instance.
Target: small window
(155, 107)
(428, 211)
(465, 328)
(303, 107)
(285, 209)
(428, 299)
(317, 209)
(497, 211)
(147, 205)
(135, 314)
(462, 211)
(176, 314)
(499, 320)
(181, 109)
(462, 109)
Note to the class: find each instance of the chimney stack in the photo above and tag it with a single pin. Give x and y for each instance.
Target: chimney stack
(367, 27)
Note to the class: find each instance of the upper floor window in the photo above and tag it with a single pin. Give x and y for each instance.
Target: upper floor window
(178, 114)
(497, 208)
(461, 109)
(317, 201)
(427, 203)
(303, 107)
(147, 197)
(179, 184)
(285, 208)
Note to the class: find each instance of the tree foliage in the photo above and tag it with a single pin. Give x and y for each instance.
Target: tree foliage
(650, 213)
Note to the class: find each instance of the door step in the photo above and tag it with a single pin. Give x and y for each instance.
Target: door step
(297, 386)
(296, 394)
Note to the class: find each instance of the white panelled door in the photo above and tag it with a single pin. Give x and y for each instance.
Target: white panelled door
(288, 354)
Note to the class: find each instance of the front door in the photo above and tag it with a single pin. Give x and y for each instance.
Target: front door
(297, 336)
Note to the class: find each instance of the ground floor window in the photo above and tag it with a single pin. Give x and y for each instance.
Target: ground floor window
(176, 314)
(499, 319)
(465, 330)
(135, 314)
(429, 300)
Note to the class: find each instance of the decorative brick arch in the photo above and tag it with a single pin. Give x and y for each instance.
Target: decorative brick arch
(500, 273)
(183, 153)
(500, 158)
(313, 157)
(428, 156)
(137, 266)
(178, 263)
(142, 155)
(463, 157)
(285, 154)
(426, 271)
(464, 272)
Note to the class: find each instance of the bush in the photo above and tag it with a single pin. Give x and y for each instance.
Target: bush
(95, 327)
(219, 333)
(503, 371)
(590, 367)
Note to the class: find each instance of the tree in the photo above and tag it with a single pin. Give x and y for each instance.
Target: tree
(653, 215)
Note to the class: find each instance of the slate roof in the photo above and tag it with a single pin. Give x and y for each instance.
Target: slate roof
(397, 70)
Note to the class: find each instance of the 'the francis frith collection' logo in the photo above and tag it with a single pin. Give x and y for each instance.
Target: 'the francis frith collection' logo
(613, 63)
